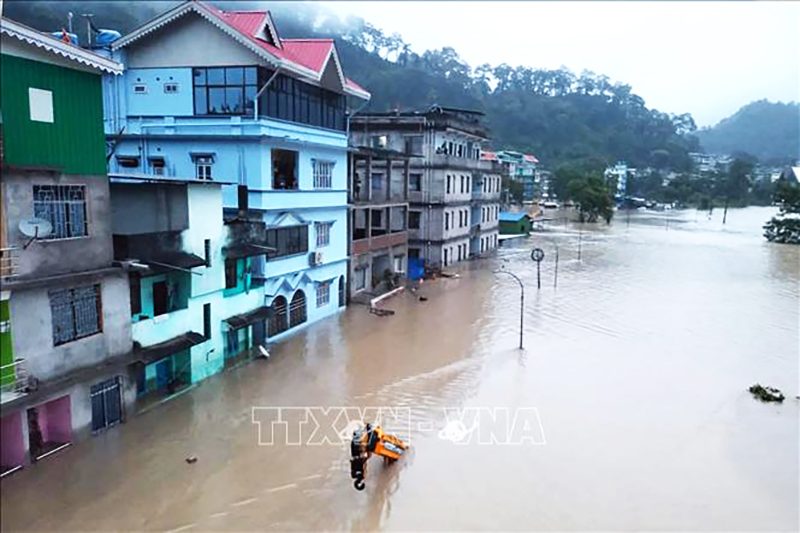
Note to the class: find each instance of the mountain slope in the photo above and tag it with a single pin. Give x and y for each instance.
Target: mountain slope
(767, 130)
(555, 114)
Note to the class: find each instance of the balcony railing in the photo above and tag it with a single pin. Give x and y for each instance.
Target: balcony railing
(14, 380)
(9, 262)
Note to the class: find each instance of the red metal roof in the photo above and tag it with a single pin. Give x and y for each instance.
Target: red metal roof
(488, 156)
(309, 53)
(528, 157)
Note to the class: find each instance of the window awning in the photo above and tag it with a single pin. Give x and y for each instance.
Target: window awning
(202, 155)
(249, 318)
(173, 260)
(153, 353)
(238, 251)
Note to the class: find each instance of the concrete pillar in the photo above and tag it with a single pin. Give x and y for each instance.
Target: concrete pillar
(369, 178)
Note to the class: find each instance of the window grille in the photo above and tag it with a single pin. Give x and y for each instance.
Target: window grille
(323, 174)
(75, 313)
(64, 206)
(323, 234)
(323, 293)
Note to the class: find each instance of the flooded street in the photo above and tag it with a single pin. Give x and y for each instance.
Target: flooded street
(637, 364)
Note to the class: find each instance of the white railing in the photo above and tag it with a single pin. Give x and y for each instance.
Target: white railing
(22, 379)
(9, 262)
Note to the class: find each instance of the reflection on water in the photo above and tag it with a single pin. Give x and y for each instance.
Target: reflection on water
(638, 364)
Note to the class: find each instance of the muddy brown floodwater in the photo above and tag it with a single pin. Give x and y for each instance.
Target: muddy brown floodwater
(637, 364)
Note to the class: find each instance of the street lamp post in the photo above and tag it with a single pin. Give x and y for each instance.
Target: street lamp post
(521, 302)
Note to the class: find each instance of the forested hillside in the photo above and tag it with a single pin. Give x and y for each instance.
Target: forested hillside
(769, 131)
(555, 114)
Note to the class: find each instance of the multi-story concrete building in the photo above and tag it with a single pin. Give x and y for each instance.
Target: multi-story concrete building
(618, 175)
(522, 167)
(65, 332)
(219, 96)
(378, 199)
(194, 305)
(448, 166)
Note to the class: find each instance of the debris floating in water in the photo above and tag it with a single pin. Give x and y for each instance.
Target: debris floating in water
(766, 394)
(191, 459)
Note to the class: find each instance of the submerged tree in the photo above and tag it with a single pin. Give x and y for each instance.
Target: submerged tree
(785, 227)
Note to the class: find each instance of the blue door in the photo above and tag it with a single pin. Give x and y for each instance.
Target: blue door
(163, 373)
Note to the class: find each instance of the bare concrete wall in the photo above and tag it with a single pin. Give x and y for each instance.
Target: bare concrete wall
(31, 322)
(51, 257)
(191, 41)
(148, 208)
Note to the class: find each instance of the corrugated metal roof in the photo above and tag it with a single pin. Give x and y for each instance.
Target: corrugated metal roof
(506, 216)
(312, 54)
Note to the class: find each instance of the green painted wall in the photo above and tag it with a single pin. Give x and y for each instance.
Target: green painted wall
(515, 228)
(74, 142)
(6, 349)
(243, 278)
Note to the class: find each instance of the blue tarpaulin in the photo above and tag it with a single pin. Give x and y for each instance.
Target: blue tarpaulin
(416, 269)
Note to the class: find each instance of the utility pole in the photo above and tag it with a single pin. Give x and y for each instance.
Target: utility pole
(521, 302)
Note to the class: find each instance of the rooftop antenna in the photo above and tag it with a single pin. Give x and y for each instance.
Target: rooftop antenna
(69, 16)
(35, 228)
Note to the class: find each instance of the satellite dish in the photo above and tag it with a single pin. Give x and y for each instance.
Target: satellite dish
(35, 228)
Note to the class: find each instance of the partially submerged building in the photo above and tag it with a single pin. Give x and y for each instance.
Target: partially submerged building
(378, 197)
(65, 333)
(219, 96)
(446, 169)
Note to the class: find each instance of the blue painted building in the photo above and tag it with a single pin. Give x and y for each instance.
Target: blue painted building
(214, 96)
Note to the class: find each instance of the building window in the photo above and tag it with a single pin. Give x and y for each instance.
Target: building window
(446, 221)
(323, 174)
(157, 165)
(379, 141)
(284, 169)
(140, 88)
(171, 88)
(106, 404)
(323, 233)
(40, 103)
(286, 241)
(297, 309)
(448, 184)
(399, 261)
(445, 257)
(293, 100)
(414, 144)
(279, 322)
(463, 183)
(76, 313)
(361, 279)
(207, 251)
(415, 182)
(323, 293)
(64, 206)
(231, 279)
(414, 219)
(203, 167)
(225, 91)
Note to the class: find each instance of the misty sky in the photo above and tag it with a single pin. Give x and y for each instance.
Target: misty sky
(705, 58)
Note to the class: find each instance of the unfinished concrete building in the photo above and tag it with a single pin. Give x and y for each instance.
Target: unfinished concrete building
(446, 180)
(378, 220)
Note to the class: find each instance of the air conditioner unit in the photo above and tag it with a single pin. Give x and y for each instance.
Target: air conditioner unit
(315, 258)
